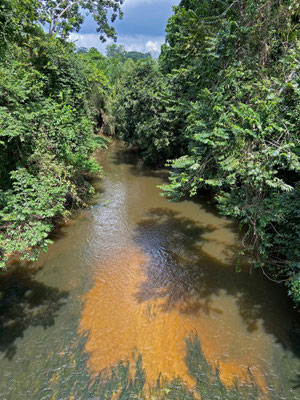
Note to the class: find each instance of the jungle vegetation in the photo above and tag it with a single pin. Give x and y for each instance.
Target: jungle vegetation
(220, 107)
(51, 99)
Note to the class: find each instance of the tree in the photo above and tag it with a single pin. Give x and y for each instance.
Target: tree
(64, 16)
(137, 55)
(82, 50)
(147, 112)
(114, 51)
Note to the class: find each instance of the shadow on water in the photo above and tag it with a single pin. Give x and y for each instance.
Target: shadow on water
(125, 381)
(208, 382)
(58, 233)
(294, 334)
(182, 275)
(25, 302)
(130, 156)
(169, 240)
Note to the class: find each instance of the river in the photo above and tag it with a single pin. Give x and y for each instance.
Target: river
(139, 297)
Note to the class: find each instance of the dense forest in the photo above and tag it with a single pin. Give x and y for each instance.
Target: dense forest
(51, 97)
(220, 108)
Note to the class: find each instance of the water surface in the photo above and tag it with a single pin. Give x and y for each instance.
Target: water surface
(132, 279)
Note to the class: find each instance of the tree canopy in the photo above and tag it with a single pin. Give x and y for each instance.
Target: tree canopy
(64, 16)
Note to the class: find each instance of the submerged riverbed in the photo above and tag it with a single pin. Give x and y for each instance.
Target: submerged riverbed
(139, 298)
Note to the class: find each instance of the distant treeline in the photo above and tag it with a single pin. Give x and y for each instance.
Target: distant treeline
(119, 52)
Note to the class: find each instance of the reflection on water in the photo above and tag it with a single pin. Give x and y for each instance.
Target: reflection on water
(107, 312)
(25, 302)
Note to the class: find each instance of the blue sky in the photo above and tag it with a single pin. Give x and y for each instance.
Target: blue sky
(142, 27)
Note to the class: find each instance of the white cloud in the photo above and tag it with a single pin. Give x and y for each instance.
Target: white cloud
(158, 3)
(152, 47)
(138, 2)
(88, 40)
(141, 43)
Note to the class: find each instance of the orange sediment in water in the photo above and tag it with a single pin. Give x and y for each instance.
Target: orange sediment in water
(119, 323)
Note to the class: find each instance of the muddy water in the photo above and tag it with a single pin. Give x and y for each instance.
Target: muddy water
(138, 275)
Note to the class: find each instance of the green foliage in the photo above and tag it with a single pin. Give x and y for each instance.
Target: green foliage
(50, 99)
(137, 55)
(146, 117)
(65, 16)
(227, 93)
(29, 209)
(120, 53)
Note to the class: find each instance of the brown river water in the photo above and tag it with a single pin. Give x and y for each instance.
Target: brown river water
(136, 275)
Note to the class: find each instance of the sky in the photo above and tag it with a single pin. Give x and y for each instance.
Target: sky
(141, 29)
